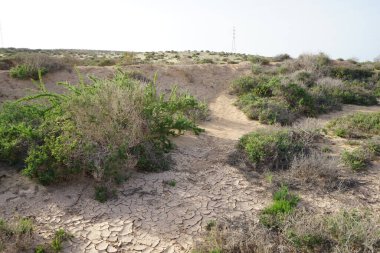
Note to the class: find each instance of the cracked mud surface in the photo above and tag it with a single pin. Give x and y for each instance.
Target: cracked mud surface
(151, 216)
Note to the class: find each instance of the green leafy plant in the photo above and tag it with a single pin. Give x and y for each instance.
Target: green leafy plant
(116, 121)
(171, 183)
(357, 159)
(60, 236)
(273, 148)
(284, 202)
(357, 125)
(25, 71)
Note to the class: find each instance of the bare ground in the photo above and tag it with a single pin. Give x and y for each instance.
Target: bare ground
(149, 215)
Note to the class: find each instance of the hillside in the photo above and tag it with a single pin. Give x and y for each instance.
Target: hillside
(210, 185)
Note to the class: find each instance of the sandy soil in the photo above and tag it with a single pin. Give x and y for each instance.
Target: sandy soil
(149, 215)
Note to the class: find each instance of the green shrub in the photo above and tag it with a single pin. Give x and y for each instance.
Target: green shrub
(356, 96)
(95, 128)
(24, 226)
(60, 236)
(345, 231)
(206, 61)
(261, 86)
(102, 194)
(274, 148)
(171, 182)
(25, 72)
(305, 78)
(18, 130)
(362, 156)
(17, 235)
(351, 73)
(297, 98)
(358, 159)
(373, 145)
(358, 125)
(258, 59)
(325, 99)
(39, 249)
(27, 65)
(353, 231)
(283, 203)
(243, 85)
(281, 57)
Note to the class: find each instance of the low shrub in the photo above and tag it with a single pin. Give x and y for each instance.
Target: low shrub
(274, 148)
(60, 236)
(350, 73)
(325, 99)
(258, 59)
(281, 57)
(206, 61)
(16, 236)
(298, 99)
(26, 71)
(312, 171)
(300, 231)
(356, 96)
(27, 65)
(361, 157)
(6, 64)
(358, 125)
(353, 231)
(305, 78)
(275, 214)
(94, 129)
(357, 159)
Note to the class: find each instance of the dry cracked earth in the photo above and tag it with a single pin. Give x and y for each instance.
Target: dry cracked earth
(148, 214)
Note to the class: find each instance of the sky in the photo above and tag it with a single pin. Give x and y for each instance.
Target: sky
(339, 28)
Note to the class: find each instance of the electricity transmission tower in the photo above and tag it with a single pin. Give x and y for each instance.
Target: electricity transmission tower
(233, 40)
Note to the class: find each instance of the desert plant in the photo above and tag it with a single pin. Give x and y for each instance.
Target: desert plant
(25, 71)
(312, 171)
(61, 134)
(353, 231)
(358, 125)
(27, 65)
(16, 235)
(273, 148)
(357, 159)
(206, 61)
(281, 57)
(275, 214)
(60, 236)
(351, 73)
(258, 59)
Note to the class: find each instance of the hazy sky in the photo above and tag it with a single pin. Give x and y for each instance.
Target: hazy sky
(340, 28)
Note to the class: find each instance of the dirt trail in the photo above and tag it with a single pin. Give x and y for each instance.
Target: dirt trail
(149, 215)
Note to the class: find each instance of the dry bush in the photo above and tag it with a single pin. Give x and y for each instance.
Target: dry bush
(40, 61)
(302, 231)
(16, 236)
(108, 120)
(310, 129)
(312, 171)
(247, 237)
(328, 82)
(316, 64)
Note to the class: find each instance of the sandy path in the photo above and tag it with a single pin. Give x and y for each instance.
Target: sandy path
(149, 215)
